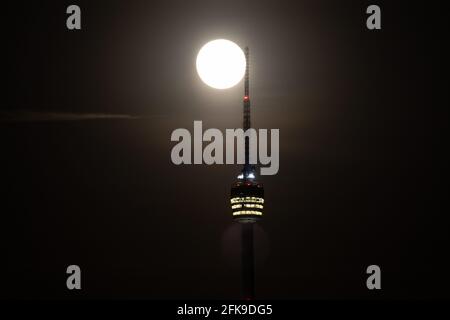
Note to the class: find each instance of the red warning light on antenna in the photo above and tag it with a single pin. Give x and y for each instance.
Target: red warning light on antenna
(245, 97)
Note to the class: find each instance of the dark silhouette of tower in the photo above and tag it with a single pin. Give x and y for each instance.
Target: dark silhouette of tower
(247, 200)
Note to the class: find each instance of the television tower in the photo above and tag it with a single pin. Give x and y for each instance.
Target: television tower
(247, 200)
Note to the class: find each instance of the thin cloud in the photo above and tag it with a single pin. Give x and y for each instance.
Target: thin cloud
(32, 116)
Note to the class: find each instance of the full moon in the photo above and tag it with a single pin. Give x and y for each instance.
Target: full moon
(221, 64)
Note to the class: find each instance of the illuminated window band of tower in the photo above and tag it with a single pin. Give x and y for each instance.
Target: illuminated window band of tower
(247, 212)
(247, 199)
(247, 205)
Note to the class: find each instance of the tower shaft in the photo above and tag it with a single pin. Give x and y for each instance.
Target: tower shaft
(248, 262)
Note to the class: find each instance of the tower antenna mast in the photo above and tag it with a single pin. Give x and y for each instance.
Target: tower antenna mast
(246, 124)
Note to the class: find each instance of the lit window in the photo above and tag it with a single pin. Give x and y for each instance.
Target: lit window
(247, 212)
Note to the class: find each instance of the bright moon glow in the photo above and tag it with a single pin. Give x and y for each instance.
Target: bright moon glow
(221, 64)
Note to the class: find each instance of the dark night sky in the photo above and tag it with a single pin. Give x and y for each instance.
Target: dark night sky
(86, 118)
